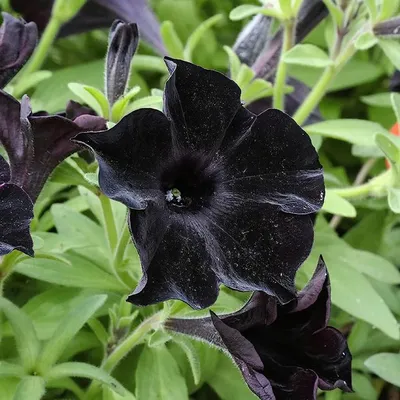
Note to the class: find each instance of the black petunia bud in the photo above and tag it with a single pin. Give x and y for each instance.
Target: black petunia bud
(122, 44)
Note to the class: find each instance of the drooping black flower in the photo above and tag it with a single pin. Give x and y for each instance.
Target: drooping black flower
(283, 352)
(97, 14)
(17, 42)
(216, 194)
(36, 144)
(16, 209)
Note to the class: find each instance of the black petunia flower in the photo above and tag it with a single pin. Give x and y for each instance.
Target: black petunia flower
(284, 352)
(216, 194)
(37, 143)
(97, 14)
(17, 42)
(16, 209)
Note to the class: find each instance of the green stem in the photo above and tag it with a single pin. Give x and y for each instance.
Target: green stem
(123, 242)
(125, 347)
(374, 187)
(112, 234)
(41, 52)
(280, 79)
(315, 96)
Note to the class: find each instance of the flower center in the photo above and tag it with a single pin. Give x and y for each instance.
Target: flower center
(189, 182)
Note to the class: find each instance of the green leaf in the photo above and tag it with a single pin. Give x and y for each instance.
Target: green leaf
(158, 376)
(171, 40)
(83, 370)
(69, 326)
(335, 204)
(308, 55)
(234, 62)
(228, 382)
(392, 50)
(257, 89)
(80, 273)
(32, 80)
(390, 145)
(395, 101)
(386, 366)
(363, 387)
(31, 387)
(358, 336)
(198, 34)
(378, 100)
(158, 338)
(109, 394)
(388, 9)
(346, 266)
(244, 11)
(335, 12)
(66, 10)
(68, 173)
(355, 131)
(155, 102)
(245, 76)
(365, 41)
(91, 96)
(192, 355)
(394, 199)
(8, 369)
(27, 343)
(119, 107)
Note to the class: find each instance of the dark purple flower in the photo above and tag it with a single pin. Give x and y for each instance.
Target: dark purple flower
(122, 44)
(389, 29)
(36, 144)
(97, 14)
(17, 42)
(16, 209)
(216, 194)
(284, 352)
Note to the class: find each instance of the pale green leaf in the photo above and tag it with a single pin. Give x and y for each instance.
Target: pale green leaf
(198, 34)
(30, 387)
(171, 40)
(392, 50)
(244, 11)
(308, 55)
(355, 131)
(27, 343)
(69, 326)
(365, 41)
(386, 366)
(83, 370)
(335, 204)
(8, 369)
(192, 355)
(394, 199)
(166, 382)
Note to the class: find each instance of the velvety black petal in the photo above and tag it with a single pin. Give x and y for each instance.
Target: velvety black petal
(277, 164)
(246, 357)
(16, 211)
(97, 14)
(261, 248)
(36, 144)
(326, 352)
(75, 110)
(302, 385)
(174, 258)
(17, 42)
(130, 155)
(201, 105)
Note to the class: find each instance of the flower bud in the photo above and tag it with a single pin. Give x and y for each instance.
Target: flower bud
(122, 44)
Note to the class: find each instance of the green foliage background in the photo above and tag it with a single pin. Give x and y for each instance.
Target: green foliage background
(64, 316)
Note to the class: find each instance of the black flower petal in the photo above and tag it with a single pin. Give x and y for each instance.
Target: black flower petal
(284, 352)
(191, 89)
(97, 14)
(17, 42)
(36, 144)
(16, 211)
(216, 195)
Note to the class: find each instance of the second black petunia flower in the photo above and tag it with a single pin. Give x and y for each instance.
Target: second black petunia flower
(216, 194)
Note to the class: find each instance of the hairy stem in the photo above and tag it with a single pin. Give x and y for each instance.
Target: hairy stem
(281, 73)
